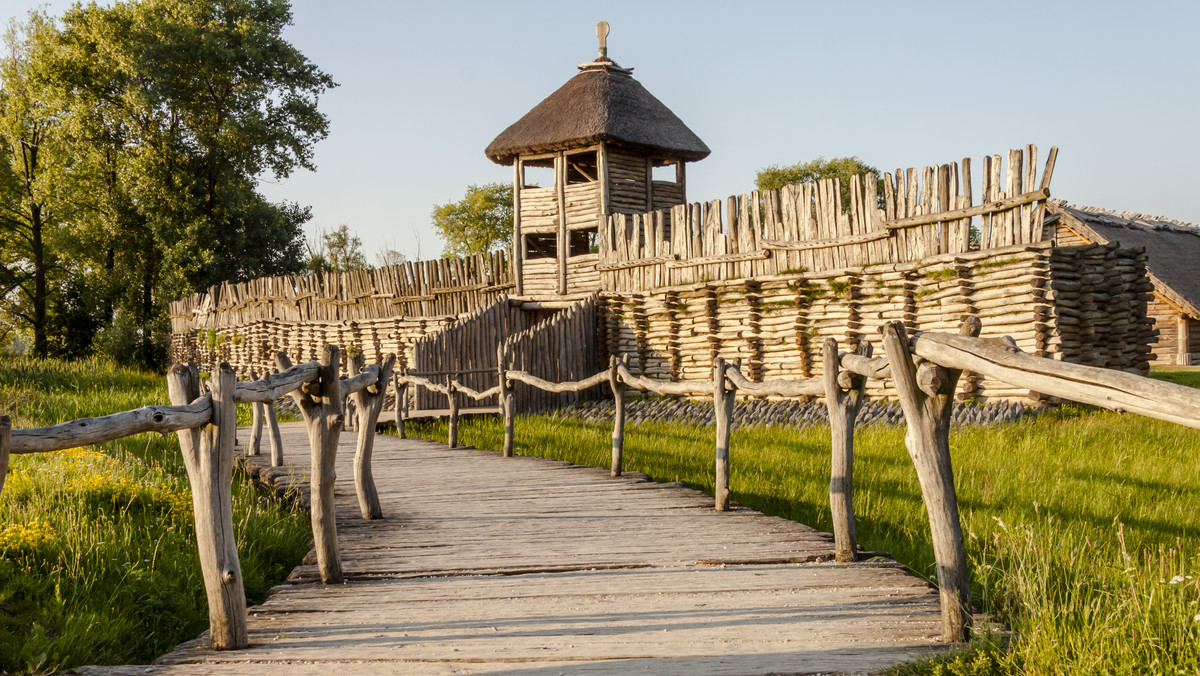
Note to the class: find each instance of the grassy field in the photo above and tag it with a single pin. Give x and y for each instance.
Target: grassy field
(98, 560)
(1082, 525)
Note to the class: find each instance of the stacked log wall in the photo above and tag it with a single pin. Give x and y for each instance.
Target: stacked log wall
(775, 325)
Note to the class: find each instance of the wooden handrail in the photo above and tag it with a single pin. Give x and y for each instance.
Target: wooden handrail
(569, 386)
(695, 388)
(776, 387)
(103, 429)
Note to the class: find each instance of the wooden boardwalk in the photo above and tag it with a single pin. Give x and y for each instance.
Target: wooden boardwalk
(491, 564)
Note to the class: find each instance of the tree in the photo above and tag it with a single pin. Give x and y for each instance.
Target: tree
(775, 177)
(336, 250)
(164, 115)
(480, 222)
(29, 199)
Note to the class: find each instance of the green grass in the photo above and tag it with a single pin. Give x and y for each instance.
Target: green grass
(98, 561)
(1082, 527)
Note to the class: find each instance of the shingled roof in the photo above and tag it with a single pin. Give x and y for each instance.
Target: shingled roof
(1172, 248)
(601, 103)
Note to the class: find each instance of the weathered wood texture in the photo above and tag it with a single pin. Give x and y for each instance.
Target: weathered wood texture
(464, 351)
(378, 311)
(494, 564)
(560, 348)
(921, 213)
(321, 406)
(208, 458)
(1084, 305)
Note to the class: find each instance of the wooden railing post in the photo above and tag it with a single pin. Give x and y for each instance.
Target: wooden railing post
(5, 435)
(843, 397)
(452, 397)
(618, 433)
(723, 417)
(208, 457)
(506, 401)
(320, 403)
(401, 397)
(256, 425)
(927, 399)
(369, 403)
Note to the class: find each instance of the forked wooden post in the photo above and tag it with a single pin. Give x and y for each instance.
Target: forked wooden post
(506, 401)
(369, 403)
(320, 403)
(401, 394)
(451, 395)
(273, 433)
(723, 416)
(843, 397)
(618, 433)
(927, 397)
(256, 425)
(5, 435)
(208, 457)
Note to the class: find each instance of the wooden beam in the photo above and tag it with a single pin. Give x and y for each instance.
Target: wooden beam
(956, 214)
(781, 245)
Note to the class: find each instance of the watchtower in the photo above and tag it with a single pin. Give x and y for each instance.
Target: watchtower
(601, 144)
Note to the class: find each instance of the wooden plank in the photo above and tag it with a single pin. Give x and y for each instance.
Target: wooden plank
(426, 596)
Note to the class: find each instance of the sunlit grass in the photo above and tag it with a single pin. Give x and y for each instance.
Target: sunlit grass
(1077, 521)
(98, 561)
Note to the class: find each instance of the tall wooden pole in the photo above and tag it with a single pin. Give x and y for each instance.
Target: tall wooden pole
(927, 399)
(208, 457)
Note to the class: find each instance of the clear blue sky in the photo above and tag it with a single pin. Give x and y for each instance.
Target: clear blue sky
(425, 86)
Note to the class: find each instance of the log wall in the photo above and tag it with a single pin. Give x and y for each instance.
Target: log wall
(775, 325)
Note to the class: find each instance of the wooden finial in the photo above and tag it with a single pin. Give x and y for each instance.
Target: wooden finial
(602, 33)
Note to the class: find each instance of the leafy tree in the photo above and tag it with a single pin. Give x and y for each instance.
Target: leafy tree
(481, 221)
(160, 117)
(775, 177)
(336, 250)
(30, 217)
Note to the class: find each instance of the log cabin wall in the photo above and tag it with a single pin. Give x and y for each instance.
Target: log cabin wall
(775, 325)
(1178, 341)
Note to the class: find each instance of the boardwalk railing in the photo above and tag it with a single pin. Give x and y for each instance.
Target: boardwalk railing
(206, 425)
(926, 368)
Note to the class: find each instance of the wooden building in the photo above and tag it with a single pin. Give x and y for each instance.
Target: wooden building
(601, 144)
(1173, 259)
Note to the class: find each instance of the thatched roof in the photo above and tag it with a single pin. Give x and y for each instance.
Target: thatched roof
(1172, 248)
(602, 103)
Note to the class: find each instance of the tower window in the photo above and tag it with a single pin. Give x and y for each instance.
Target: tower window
(584, 242)
(541, 246)
(581, 168)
